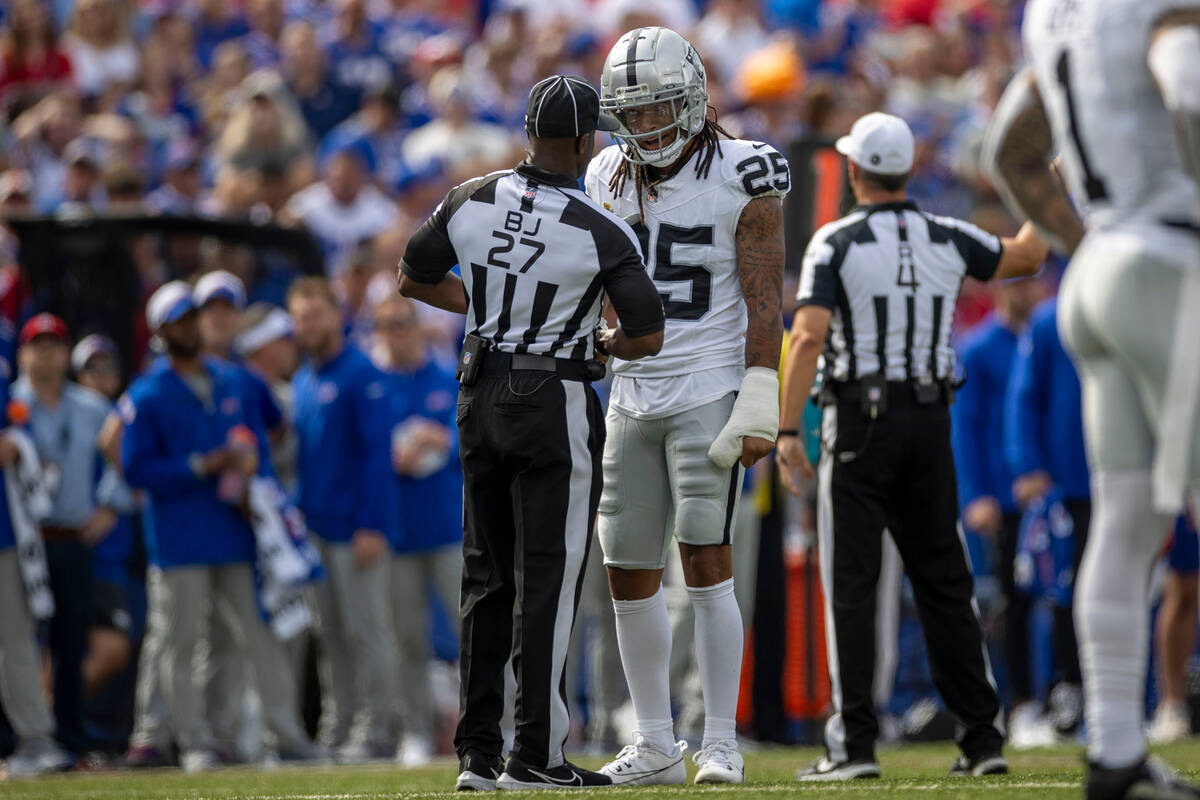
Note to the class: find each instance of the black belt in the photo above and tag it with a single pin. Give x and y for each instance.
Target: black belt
(498, 364)
(900, 393)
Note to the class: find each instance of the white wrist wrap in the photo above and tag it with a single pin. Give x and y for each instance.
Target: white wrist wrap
(755, 413)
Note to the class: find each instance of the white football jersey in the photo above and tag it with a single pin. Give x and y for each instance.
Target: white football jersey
(1120, 154)
(688, 238)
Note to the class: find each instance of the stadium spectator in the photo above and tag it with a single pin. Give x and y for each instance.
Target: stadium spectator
(220, 90)
(215, 22)
(42, 135)
(32, 60)
(344, 208)
(454, 138)
(103, 55)
(323, 101)
(1043, 431)
(353, 283)
(177, 447)
(65, 421)
(375, 126)
(728, 33)
(82, 187)
(266, 18)
(169, 47)
(265, 345)
(20, 690)
(265, 132)
(109, 646)
(426, 528)
(181, 190)
(339, 406)
(985, 483)
(356, 57)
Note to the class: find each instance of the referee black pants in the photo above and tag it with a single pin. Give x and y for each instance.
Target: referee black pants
(530, 445)
(899, 474)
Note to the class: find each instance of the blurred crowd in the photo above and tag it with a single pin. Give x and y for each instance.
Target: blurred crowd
(176, 629)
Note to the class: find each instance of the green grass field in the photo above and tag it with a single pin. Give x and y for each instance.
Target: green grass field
(910, 772)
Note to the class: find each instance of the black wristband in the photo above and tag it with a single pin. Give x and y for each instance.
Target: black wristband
(788, 432)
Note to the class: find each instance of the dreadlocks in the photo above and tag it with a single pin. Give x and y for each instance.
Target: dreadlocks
(708, 141)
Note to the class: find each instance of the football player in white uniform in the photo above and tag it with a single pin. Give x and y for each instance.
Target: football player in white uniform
(1114, 88)
(683, 425)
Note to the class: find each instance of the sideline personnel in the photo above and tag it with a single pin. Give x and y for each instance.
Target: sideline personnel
(538, 259)
(882, 282)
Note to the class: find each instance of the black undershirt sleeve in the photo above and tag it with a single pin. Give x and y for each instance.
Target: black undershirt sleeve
(430, 254)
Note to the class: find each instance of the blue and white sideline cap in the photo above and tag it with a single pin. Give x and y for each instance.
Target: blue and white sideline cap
(277, 324)
(93, 344)
(879, 143)
(171, 302)
(220, 285)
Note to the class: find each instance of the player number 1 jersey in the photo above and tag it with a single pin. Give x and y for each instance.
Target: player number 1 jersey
(688, 238)
(1120, 155)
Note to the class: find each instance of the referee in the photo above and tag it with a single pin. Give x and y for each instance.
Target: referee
(877, 294)
(538, 258)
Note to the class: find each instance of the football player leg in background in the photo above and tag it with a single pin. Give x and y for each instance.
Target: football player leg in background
(1127, 315)
(709, 214)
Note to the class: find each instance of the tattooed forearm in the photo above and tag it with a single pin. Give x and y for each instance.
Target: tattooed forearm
(759, 239)
(1017, 152)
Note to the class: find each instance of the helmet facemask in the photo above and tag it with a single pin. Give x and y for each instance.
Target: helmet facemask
(683, 110)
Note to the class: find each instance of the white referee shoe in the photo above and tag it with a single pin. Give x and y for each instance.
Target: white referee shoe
(642, 764)
(720, 762)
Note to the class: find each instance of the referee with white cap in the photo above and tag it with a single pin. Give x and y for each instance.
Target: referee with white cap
(538, 259)
(877, 294)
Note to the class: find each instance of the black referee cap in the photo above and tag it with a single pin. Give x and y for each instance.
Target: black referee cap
(564, 106)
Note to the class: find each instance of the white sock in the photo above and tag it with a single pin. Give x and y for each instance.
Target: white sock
(719, 656)
(1112, 615)
(644, 638)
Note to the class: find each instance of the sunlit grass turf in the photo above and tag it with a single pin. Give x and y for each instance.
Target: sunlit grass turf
(909, 772)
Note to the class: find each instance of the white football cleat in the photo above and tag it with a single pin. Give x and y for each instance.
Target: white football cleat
(641, 764)
(720, 762)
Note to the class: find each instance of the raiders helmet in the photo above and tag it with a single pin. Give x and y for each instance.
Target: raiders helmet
(646, 67)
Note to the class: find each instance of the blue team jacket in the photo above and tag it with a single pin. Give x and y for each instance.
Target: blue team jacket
(341, 413)
(1044, 414)
(978, 414)
(262, 412)
(426, 513)
(165, 423)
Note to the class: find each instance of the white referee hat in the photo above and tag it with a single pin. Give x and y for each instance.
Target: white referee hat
(879, 143)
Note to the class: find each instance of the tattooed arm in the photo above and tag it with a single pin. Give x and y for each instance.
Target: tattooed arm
(759, 239)
(1017, 152)
(750, 432)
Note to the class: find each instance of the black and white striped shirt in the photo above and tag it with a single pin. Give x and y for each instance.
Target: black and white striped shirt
(891, 274)
(537, 257)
